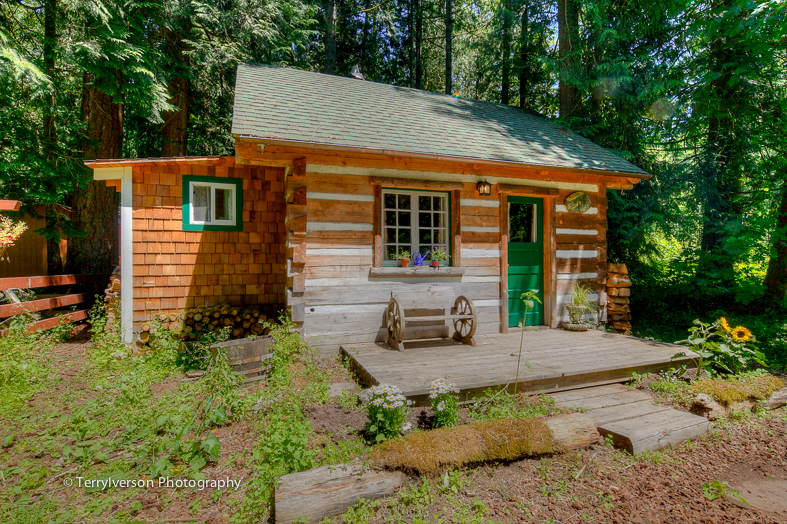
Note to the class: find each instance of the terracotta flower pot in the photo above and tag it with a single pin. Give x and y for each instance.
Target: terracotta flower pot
(435, 263)
(404, 262)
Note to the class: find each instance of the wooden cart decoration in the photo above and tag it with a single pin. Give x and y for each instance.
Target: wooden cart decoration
(463, 315)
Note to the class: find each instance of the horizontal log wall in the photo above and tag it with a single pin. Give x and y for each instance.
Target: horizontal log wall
(581, 248)
(176, 269)
(332, 250)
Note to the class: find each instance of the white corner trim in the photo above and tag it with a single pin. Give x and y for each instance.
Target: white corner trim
(126, 255)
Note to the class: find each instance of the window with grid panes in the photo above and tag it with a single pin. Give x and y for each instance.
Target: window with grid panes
(415, 221)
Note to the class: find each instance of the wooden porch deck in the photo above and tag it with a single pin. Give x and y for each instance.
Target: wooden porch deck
(559, 360)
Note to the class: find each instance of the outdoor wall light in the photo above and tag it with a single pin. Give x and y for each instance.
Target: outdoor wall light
(484, 188)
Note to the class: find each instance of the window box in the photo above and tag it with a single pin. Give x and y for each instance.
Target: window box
(417, 271)
(212, 203)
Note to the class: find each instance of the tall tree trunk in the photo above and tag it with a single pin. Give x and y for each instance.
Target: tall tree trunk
(449, 49)
(95, 207)
(722, 166)
(419, 41)
(525, 68)
(776, 276)
(174, 131)
(568, 38)
(506, 54)
(411, 40)
(54, 262)
(330, 37)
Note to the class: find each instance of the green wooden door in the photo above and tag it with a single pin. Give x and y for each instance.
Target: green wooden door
(525, 258)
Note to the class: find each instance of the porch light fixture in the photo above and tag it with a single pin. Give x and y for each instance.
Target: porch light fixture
(484, 188)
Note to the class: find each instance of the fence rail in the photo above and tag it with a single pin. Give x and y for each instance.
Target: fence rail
(42, 305)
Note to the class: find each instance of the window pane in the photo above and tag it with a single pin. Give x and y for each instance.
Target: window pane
(404, 218)
(223, 204)
(424, 220)
(404, 201)
(521, 226)
(438, 203)
(390, 201)
(425, 203)
(439, 237)
(390, 234)
(438, 220)
(404, 236)
(391, 251)
(425, 236)
(200, 203)
(390, 218)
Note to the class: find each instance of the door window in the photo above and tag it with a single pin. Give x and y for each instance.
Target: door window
(522, 223)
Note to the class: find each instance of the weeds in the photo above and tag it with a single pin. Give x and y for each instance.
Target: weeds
(445, 404)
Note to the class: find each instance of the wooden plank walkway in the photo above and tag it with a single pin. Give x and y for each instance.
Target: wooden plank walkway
(558, 360)
(632, 419)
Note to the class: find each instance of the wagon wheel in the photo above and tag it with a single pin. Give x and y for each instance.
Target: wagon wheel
(465, 327)
(395, 320)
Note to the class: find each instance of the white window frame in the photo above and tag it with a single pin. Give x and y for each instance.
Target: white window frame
(414, 227)
(233, 221)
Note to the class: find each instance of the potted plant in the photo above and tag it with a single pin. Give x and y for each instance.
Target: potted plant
(579, 303)
(438, 255)
(403, 256)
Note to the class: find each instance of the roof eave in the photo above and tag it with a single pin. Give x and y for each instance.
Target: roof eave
(430, 156)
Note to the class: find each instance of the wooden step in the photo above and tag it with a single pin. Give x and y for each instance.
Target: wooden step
(598, 391)
(611, 399)
(611, 414)
(654, 430)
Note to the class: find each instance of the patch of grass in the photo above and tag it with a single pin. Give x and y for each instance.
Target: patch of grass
(756, 385)
(447, 448)
(499, 404)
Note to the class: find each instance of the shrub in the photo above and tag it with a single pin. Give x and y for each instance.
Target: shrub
(721, 348)
(433, 451)
(387, 410)
(445, 403)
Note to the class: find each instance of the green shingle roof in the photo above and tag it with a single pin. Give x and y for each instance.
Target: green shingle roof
(303, 106)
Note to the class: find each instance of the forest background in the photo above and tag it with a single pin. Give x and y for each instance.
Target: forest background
(692, 91)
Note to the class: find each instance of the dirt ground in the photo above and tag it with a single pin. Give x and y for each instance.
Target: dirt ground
(597, 485)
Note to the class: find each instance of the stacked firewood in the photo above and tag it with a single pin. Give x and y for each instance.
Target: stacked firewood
(618, 293)
(193, 323)
(112, 293)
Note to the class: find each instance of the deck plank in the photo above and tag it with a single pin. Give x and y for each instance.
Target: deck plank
(559, 360)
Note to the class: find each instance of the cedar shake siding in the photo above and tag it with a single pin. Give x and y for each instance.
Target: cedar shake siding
(176, 269)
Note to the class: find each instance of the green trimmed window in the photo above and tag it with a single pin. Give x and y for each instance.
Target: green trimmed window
(212, 203)
(415, 221)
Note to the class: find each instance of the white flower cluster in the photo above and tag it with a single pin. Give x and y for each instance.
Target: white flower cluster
(388, 397)
(441, 387)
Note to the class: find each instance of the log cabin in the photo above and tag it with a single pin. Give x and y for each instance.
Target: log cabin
(333, 177)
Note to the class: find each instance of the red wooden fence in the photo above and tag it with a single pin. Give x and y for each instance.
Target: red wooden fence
(46, 304)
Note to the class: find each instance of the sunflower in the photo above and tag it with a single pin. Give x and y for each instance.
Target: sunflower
(725, 324)
(741, 334)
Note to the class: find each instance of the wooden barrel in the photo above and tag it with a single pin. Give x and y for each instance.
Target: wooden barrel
(247, 356)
